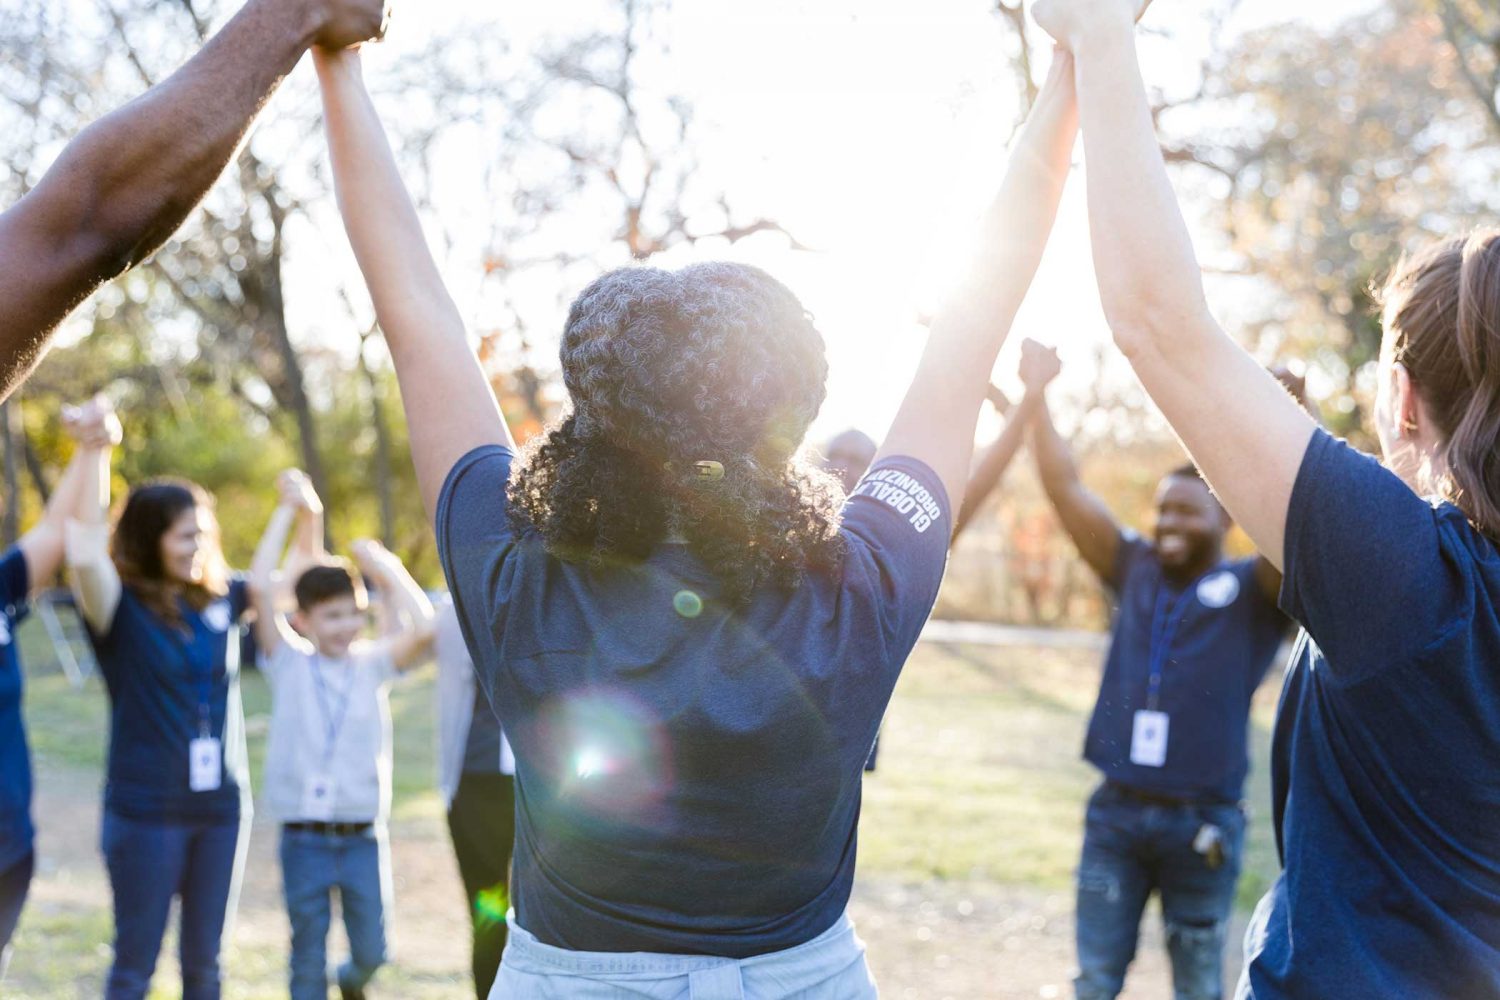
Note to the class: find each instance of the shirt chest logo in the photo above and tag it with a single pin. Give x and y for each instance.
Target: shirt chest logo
(4, 630)
(216, 616)
(1218, 590)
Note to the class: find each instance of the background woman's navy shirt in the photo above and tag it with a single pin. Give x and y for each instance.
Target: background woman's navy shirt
(154, 673)
(15, 760)
(688, 773)
(1386, 760)
(1224, 641)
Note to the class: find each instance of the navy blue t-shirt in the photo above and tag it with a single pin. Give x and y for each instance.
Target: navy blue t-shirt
(158, 675)
(687, 771)
(1386, 759)
(15, 760)
(1215, 640)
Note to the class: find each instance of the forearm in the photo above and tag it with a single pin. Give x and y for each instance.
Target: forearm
(44, 543)
(1149, 279)
(1054, 458)
(936, 419)
(268, 550)
(450, 408)
(407, 601)
(996, 459)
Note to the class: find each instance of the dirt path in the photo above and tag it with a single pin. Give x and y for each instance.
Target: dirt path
(927, 941)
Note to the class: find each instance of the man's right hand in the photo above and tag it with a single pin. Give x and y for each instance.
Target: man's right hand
(342, 23)
(1039, 365)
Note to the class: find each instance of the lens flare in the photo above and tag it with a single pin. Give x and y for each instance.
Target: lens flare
(687, 604)
(491, 906)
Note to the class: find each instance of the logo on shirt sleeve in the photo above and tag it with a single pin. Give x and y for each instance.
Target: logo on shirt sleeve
(1219, 590)
(903, 494)
(216, 616)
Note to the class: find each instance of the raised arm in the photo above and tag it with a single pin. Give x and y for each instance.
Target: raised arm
(44, 544)
(997, 457)
(1084, 516)
(411, 642)
(936, 420)
(1238, 423)
(271, 628)
(127, 181)
(92, 575)
(450, 408)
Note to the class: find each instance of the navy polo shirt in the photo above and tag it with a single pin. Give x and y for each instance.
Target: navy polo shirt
(688, 770)
(158, 675)
(1386, 758)
(15, 759)
(1215, 639)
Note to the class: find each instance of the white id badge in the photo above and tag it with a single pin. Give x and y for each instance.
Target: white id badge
(1148, 744)
(205, 765)
(319, 792)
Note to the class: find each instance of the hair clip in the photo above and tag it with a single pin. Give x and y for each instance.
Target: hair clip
(704, 472)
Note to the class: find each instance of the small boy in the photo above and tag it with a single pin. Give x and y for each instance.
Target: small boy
(328, 758)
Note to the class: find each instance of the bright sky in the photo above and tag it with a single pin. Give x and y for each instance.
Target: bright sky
(875, 131)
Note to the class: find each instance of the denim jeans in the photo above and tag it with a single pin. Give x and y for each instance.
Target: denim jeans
(313, 865)
(149, 863)
(829, 967)
(1133, 848)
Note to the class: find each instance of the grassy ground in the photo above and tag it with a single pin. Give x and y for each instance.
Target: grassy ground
(970, 833)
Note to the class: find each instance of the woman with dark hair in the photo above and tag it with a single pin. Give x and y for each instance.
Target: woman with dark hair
(688, 641)
(162, 614)
(1386, 758)
(26, 567)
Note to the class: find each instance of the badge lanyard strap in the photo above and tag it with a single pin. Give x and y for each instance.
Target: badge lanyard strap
(203, 680)
(333, 723)
(1163, 629)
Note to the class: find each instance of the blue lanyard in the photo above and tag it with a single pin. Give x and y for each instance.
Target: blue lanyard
(1164, 623)
(203, 679)
(332, 723)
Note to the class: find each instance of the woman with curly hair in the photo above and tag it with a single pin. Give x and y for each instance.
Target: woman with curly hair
(688, 640)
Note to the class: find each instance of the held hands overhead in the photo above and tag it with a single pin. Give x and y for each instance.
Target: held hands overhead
(345, 23)
(1039, 365)
(93, 424)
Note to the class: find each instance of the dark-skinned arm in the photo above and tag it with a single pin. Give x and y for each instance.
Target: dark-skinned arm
(996, 459)
(126, 182)
(1083, 515)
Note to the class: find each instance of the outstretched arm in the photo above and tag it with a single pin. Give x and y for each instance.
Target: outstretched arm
(298, 503)
(1240, 426)
(410, 643)
(996, 458)
(92, 575)
(1083, 515)
(127, 181)
(450, 408)
(44, 544)
(936, 420)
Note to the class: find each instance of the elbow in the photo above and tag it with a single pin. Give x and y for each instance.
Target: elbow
(1143, 325)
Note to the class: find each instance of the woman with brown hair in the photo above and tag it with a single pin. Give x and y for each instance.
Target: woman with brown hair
(1386, 760)
(163, 614)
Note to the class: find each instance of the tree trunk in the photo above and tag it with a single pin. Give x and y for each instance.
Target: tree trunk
(10, 415)
(383, 478)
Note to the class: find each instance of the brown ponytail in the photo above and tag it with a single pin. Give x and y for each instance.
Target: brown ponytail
(1442, 313)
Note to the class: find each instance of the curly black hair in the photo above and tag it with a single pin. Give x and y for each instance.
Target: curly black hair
(691, 391)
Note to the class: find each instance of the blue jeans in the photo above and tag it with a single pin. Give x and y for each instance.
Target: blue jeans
(313, 865)
(829, 967)
(151, 862)
(1133, 848)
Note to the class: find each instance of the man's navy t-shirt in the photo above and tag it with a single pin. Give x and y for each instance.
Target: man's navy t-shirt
(158, 675)
(688, 772)
(1217, 637)
(15, 760)
(1386, 759)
